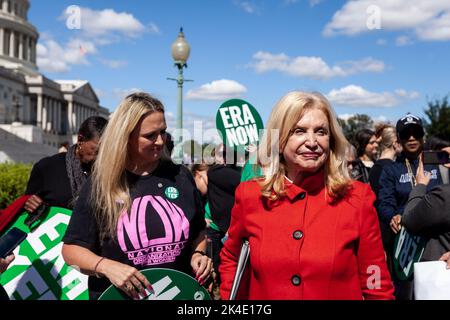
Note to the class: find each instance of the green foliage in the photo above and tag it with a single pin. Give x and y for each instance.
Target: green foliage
(13, 181)
(354, 124)
(438, 114)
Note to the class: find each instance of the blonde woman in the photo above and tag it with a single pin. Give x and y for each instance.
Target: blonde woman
(140, 210)
(313, 232)
(390, 148)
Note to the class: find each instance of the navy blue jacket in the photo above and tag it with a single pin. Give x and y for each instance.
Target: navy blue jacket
(395, 187)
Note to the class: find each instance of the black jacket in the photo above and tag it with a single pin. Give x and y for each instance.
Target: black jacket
(49, 180)
(360, 172)
(222, 183)
(428, 214)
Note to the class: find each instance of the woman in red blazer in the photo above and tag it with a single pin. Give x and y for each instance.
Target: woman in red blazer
(313, 232)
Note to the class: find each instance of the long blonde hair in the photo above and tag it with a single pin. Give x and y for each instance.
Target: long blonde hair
(110, 190)
(285, 115)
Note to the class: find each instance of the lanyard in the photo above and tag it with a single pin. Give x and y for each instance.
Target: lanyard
(410, 172)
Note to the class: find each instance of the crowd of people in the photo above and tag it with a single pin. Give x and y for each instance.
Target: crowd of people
(320, 213)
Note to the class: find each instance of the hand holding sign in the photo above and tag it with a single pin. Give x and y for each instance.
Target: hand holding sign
(126, 278)
(168, 284)
(4, 263)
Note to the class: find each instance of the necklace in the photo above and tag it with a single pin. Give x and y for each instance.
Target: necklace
(410, 172)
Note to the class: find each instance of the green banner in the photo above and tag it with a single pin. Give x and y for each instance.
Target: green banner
(39, 271)
(239, 123)
(408, 249)
(168, 284)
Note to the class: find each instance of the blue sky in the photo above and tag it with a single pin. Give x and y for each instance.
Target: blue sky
(383, 58)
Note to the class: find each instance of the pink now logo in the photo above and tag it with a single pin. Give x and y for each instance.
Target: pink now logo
(134, 225)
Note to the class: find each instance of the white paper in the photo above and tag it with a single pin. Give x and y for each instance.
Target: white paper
(431, 281)
(242, 263)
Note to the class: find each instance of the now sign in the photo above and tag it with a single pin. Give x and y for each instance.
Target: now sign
(239, 123)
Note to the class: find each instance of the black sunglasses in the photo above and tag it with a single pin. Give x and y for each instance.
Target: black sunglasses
(405, 134)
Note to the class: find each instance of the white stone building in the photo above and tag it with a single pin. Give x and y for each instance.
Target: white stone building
(33, 108)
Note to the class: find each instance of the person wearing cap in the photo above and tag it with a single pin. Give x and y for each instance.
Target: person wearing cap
(428, 214)
(396, 182)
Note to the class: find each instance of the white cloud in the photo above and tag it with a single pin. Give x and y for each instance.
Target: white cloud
(312, 67)
(356, 96)
(247, 6)
(381, 42)
(405, 94)
(114, 64)
(217, 90)
(345, 116)
(403, 41)
(428, 20)
(98, 28)
(95, 23)
(53, 57)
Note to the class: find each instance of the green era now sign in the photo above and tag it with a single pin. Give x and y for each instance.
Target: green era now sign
(168, 284)
(39, 271)
(239, 123)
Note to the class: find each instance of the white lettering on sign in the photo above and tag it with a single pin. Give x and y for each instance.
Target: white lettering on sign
(242, 135)
(20, 260)
(252, 132)
(240, 125)
(248, 116)
(160, 286)
(49, 229)
(68, 280)
(23, 283)
(235, 113)
(225, 118)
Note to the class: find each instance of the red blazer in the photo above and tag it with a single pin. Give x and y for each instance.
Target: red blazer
(305, 247)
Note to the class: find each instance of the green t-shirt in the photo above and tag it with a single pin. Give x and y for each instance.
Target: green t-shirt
(251, 170)
(208, 216)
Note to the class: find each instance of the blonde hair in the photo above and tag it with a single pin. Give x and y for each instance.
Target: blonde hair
(285, 115)
(388, 136)
(110, 190)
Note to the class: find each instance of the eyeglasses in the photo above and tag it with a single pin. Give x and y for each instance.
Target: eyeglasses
(405, 134)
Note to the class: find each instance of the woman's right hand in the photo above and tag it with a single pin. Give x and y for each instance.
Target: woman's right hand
(446, 258)
(33, 203)
(4, 263)
(395, 223)
(126, 278)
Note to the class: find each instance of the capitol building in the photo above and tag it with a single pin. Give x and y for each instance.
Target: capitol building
(37, 114)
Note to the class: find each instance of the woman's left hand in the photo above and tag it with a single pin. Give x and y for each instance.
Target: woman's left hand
(202, 266)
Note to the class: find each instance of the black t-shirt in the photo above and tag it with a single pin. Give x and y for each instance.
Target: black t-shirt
(49, 180)
(166, 216)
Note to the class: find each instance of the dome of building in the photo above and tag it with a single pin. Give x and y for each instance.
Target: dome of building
(18, 37)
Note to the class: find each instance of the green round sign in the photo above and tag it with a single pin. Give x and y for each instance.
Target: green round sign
(168, 284)
(239, 123)
(408, 249)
